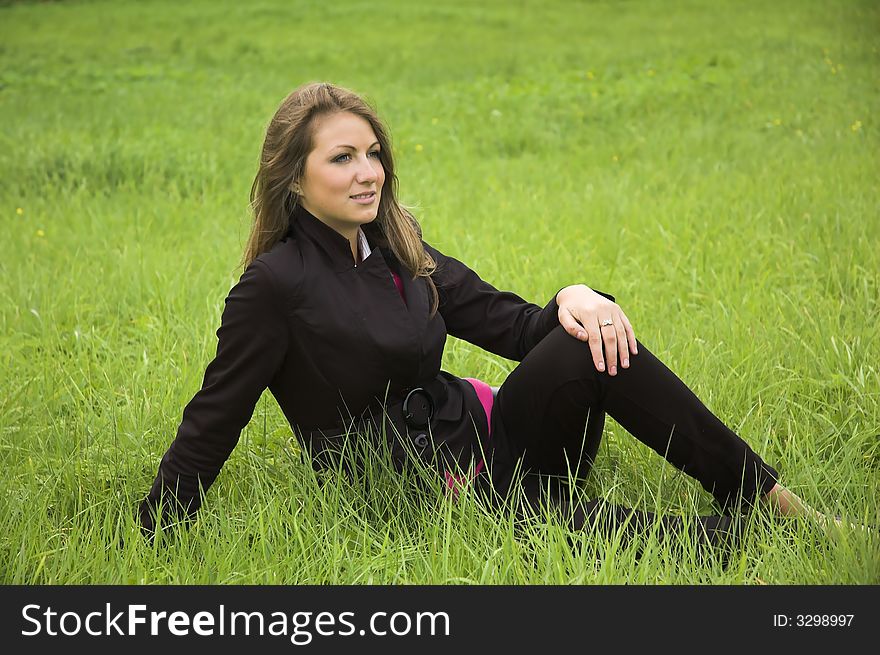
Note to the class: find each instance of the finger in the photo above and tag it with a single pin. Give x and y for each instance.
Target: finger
(622, 345)
(570, 324)
(609, 337)
(630, 334)
(594, 338)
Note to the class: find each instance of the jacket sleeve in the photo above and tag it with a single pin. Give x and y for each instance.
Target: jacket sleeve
(498, 321)
(252, 342)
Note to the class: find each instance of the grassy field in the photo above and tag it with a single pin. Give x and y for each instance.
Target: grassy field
(712, 164)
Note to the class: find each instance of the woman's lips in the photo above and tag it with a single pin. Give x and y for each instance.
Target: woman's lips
(364, 198)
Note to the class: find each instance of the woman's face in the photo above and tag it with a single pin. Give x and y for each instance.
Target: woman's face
(343, 177)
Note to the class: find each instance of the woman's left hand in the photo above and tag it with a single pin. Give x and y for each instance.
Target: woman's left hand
(585, 315)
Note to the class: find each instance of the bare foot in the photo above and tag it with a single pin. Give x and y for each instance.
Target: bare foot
(787, 503)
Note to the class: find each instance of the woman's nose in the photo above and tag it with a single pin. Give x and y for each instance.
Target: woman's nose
(367, 171)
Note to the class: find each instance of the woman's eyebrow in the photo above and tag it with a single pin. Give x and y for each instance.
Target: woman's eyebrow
(345, 145)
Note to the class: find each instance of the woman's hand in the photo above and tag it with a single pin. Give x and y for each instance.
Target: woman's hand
(585, 314)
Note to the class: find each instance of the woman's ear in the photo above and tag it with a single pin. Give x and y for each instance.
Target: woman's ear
(296, 188)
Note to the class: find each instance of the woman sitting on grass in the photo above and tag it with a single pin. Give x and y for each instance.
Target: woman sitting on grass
(343, 312)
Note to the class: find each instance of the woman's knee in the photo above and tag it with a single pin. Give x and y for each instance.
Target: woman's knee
(564, 357)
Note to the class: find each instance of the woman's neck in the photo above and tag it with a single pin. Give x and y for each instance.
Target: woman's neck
(355, 250)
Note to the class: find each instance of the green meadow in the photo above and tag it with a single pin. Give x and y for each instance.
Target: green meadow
(713, 164)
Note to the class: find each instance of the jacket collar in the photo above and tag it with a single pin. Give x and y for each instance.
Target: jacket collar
(304, 225)
(336, 246)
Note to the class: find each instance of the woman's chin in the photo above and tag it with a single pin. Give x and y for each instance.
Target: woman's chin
(369, 216)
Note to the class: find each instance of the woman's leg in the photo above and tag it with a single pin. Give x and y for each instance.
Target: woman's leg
(540, 493)
(542, 410)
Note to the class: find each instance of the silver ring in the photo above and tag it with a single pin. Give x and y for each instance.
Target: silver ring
(607, 321)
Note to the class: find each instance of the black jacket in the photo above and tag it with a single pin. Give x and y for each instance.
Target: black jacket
(335, 341)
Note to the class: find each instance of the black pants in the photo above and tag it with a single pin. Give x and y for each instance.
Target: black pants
(548, 418)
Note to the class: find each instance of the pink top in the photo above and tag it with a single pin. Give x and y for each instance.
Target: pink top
(399, 284)
(484, 393)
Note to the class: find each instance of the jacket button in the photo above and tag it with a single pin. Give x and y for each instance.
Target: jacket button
(421, 440)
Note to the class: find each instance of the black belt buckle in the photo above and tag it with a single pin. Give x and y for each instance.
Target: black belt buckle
(418, 408)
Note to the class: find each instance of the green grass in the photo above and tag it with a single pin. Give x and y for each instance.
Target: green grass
(712, 164)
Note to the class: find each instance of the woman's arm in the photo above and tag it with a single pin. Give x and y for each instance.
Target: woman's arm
(252, 342)
(498, 321)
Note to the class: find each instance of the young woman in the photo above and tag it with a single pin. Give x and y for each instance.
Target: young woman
(343, 312)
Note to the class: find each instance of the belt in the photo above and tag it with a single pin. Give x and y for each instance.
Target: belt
(409, 410)
(412, 408)
(418, 408)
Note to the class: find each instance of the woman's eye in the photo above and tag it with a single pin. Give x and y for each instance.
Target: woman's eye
(342, 157)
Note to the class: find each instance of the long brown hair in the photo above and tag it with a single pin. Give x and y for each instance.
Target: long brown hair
(288, 143)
